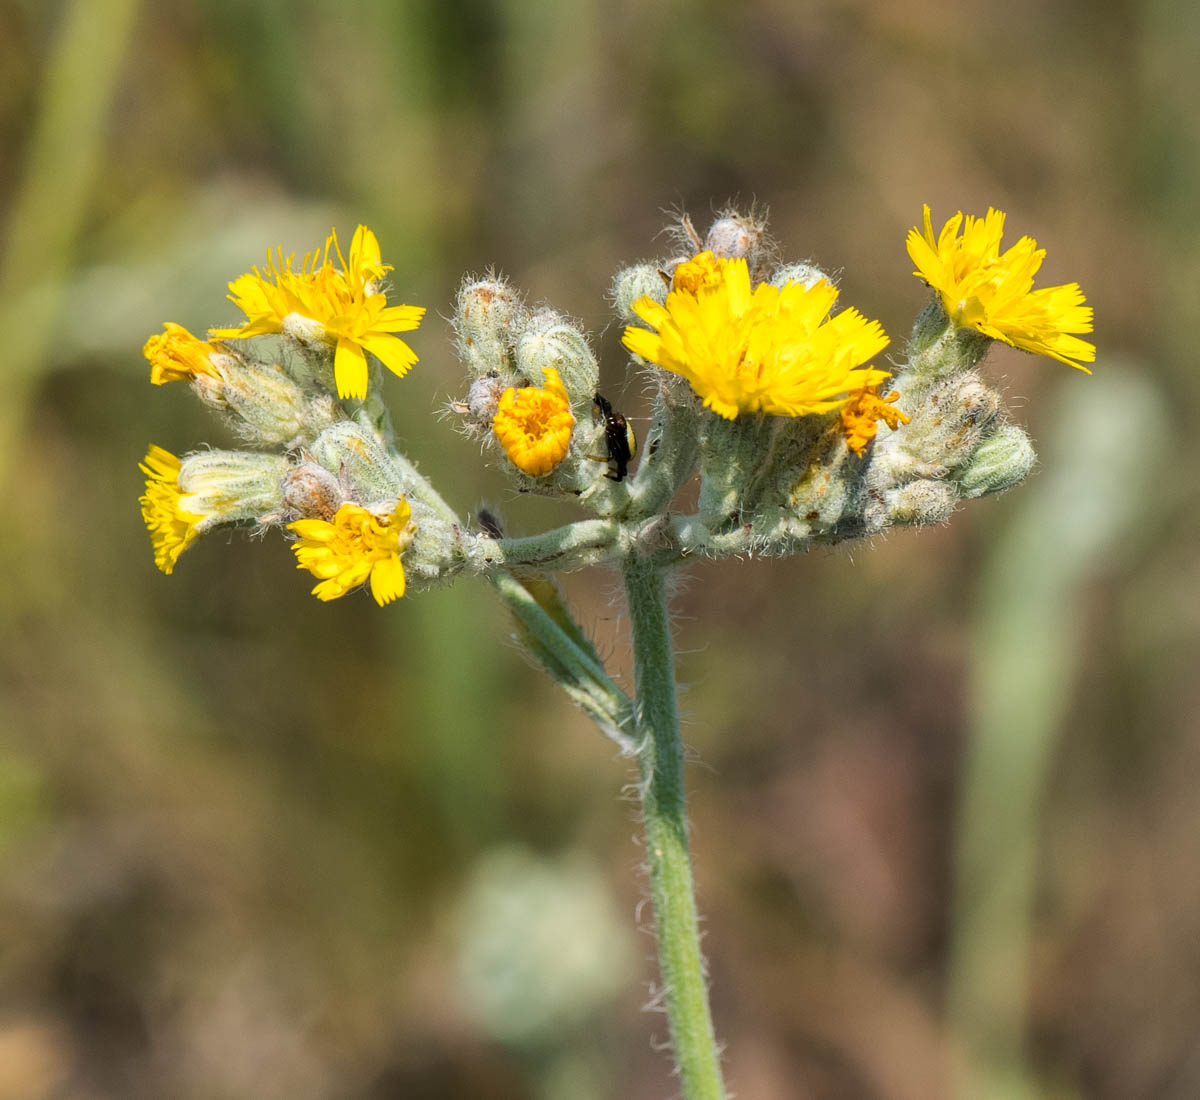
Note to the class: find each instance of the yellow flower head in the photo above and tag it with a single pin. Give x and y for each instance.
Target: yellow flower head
(342, 305)
(991, 292)
(762, 349)
(534, 424)
(172, 527)
(177, 356)
(860, 418)
(354, 548)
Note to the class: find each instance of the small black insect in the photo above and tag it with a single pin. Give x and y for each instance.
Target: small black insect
(490, 523)
(619, 439)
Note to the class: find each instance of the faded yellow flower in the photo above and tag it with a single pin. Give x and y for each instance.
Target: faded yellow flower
(860, 417)
(762, 349)
(172, 527)
(354, 548)
(992, 292)
(534, 424)
(343, 306)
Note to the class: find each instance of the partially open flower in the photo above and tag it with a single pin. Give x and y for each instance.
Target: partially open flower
(992, 292)
(177, 356)
(172, 527)
(186, 497)
(354, 548)
(534, 424)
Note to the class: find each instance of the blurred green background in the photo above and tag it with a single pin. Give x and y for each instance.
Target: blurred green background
(943, 786)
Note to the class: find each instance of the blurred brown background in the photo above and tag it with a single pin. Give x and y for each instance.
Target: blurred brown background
(943, 789)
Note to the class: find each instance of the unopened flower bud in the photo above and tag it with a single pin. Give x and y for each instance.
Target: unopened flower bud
(270, 408)
(805, 275)
(633, 283)
(948, 423)
(550, 342)
(483, 397)
(304, 329)
(736, 236)
(487, 316)
(1001, 461)
(228, 486)
(210, 387)
(358, 460)
(312, 492)
(921, 502)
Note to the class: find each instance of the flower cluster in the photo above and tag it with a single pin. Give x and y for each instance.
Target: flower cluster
(770, 432)
(330, 482)
(762, 389)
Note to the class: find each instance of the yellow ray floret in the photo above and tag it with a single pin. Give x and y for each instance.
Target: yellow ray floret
(764, 349)
(534, 424)
(860, 417)
(342, 305)
(164, 508)
(992, 292)
(356, 547)
(177, 356)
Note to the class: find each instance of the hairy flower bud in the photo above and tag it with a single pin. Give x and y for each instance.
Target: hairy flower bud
(488, 314)
(482, 402)
(550, 342)
(358, 460)
(312, 492)
(736, 237)
(806, 275)
(301, 328)
(1001, 461)
(269, 408)
(921, 502)
(483, 397)
(949, 422)
(633, 283)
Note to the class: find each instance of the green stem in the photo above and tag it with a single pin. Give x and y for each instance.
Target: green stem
(660, 762)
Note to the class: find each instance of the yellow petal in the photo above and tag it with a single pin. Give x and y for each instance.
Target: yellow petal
(391, 351)
(387, 580)
(350, 369)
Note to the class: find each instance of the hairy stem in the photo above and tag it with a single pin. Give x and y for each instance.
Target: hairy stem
(660, 763)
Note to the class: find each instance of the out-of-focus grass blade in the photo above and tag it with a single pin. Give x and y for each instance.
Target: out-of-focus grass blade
(1095, 486)
(81, 76)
